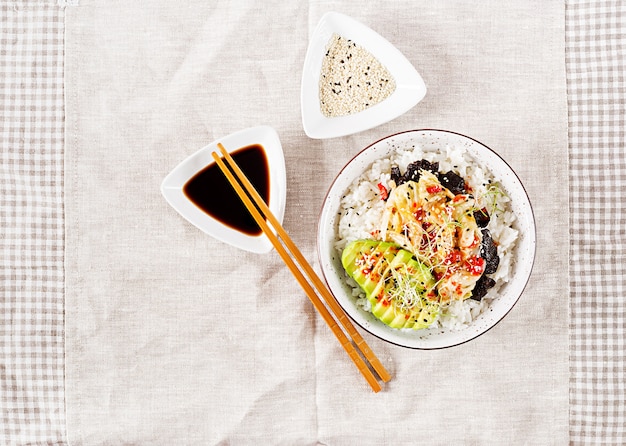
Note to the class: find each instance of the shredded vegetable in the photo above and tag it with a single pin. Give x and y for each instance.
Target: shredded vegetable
(440, 229)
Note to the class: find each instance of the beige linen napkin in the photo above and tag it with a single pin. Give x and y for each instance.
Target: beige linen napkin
(175, 338)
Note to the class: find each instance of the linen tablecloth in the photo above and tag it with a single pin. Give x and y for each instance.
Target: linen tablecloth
(165, 324)
(153, 357)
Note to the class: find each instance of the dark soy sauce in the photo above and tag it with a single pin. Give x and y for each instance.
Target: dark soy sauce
(210, 190)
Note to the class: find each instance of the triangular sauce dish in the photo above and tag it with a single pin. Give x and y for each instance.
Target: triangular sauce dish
(200, 193)
(333, 38)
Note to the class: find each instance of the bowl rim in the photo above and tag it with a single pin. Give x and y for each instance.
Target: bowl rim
(532, 258)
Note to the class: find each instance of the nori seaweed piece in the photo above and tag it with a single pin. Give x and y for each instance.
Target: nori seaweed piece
(453, 182)
(482, 218)
(396, 175)
(482, 287)
(489, 252)
(413, 170)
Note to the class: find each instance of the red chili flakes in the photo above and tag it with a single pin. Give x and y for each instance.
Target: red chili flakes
(457, 289)
(475, 265)
(384, 194)
(453, 257)
(419, 214)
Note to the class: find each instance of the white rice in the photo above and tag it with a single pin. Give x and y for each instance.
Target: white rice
(361, 211)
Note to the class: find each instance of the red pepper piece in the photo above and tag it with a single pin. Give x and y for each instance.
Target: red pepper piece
(475, 265)
(384, 194)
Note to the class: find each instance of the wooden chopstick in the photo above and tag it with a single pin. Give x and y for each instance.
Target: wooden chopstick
(319, 285)
(238, 179)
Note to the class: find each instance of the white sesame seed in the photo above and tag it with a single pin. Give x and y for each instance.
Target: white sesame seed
(352, 79)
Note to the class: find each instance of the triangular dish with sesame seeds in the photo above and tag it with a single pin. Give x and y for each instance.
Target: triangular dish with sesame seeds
(354, 79)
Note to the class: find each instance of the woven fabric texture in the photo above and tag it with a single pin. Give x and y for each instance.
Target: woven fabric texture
(32, 119)
(596, 67)
(32, 224)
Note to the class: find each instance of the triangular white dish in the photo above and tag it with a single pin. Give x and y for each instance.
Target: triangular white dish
(410, 87)
(173, 185)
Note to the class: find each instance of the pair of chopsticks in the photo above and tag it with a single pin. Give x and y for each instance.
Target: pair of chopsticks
(262, 215)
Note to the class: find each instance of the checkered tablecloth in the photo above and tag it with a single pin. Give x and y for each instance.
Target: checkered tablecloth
(32, 221)
(596, 74)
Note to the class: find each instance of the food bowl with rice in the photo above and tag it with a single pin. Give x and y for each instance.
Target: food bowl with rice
(427, 238)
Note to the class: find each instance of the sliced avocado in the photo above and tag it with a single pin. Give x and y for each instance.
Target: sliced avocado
(384, 271)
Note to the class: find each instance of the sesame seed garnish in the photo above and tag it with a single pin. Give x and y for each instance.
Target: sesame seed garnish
(346, 62)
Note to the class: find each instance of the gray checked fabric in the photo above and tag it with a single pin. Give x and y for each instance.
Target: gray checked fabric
(31, 222)
(596, 77)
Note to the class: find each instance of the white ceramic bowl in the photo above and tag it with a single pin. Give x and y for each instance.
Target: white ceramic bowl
(410, 88)
(172, 186)
(432, 338)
